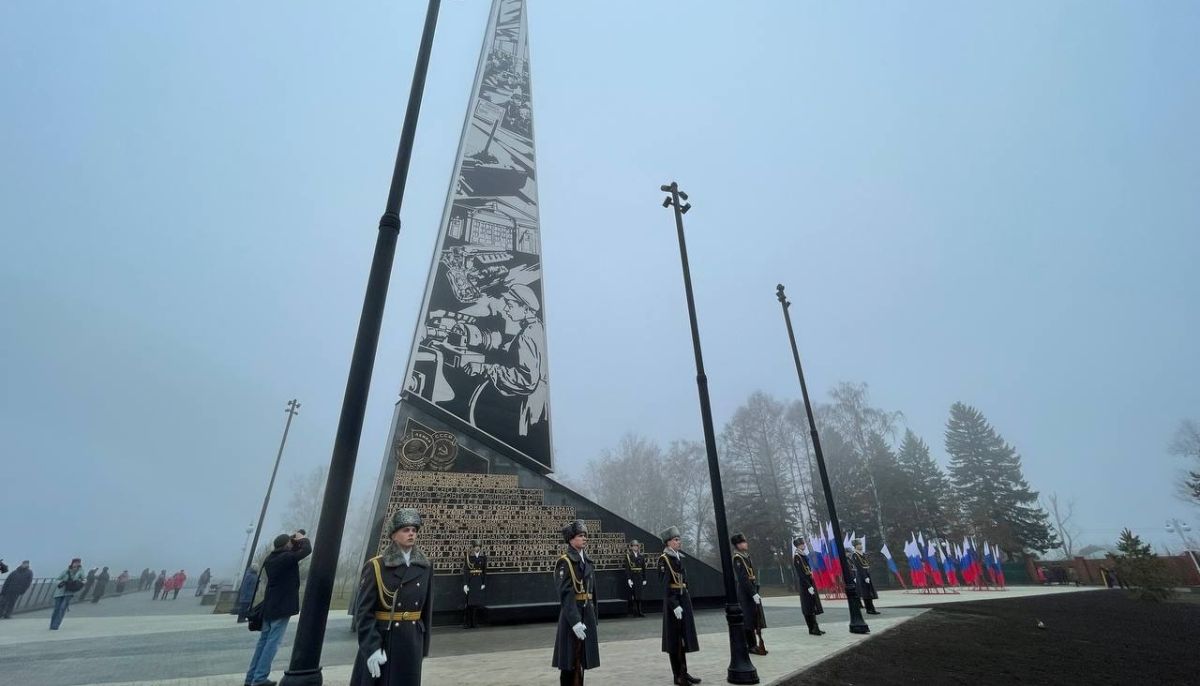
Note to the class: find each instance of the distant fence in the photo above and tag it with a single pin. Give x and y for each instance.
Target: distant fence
(1185, 568)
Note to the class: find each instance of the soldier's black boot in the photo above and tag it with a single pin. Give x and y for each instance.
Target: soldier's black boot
(566, 678)
(639, 609)
(871, 607)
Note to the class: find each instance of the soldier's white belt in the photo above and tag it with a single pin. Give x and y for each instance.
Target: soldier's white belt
(678, 585)
(635, 569)
(398, 616)
(476, 571)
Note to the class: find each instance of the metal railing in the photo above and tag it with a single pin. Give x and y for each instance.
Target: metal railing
(40, 595)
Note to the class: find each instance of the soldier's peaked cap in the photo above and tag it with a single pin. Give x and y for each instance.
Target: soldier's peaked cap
(737, 538)
(574, 529)
(406, 517)
(635, 542)
(668, 534)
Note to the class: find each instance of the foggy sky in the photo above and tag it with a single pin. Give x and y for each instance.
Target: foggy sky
(988, 204)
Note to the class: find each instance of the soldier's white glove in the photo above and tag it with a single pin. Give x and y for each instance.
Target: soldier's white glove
(643, 582)
(580, 630)
(811, 591)
(375, 663)
(466, 588)
(757, 599)
(482, 586)
(868, 579)
(679, 612)
(630, 582)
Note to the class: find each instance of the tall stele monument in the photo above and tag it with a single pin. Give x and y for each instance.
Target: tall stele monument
(470, 442)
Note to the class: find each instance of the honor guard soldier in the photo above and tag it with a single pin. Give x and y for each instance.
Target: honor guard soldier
(810, 601)
(679, 623)
(393, 610)
(862, 577)
(576, 645)
(753, 619)
(474, 583)
(635, 576)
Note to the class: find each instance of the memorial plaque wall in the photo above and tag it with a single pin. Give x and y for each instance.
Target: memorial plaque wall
(518, 531)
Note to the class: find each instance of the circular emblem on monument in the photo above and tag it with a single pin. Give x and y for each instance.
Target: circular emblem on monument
(424, 450)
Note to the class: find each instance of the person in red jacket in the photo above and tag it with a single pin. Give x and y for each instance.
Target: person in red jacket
(177, 583)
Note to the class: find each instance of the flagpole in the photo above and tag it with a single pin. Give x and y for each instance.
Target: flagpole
(857, 624)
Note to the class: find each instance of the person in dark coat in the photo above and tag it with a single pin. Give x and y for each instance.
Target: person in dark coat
(88, 583)
(576, 645)
(635, 577)
(202, 584)
(159, 582)
(101, 585)
(14, 587)
(746, 582)
(474, 575)
(679, 622)
(280, 601)
(246, 592)
(862, 577)
(810, 600)
(393, 610)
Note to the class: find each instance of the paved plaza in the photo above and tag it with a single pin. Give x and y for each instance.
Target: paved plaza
(133, 640)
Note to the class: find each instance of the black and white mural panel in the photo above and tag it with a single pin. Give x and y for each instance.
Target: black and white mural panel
(480, 350)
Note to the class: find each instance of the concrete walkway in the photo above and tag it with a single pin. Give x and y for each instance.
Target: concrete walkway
(120, 644)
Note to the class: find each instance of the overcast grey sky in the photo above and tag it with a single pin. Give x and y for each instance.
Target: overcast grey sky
(993, 203)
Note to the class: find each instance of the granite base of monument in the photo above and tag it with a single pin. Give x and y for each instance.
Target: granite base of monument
(466, 489)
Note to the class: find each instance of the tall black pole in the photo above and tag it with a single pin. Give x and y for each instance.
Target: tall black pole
(857, 625)
(741, 670)
(293, 408)
(305, 666)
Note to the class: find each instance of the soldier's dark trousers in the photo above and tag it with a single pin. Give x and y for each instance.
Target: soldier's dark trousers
(469, 618)
(676, 663)
(811, 621)
(869, 603)
(635, 607)
(568, 678)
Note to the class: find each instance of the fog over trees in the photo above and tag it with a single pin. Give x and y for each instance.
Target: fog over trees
(886, 482)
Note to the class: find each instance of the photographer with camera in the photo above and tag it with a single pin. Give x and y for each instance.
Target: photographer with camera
(280, 601)
(69, 583)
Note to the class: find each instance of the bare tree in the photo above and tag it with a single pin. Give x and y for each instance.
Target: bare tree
(303, 509)
(852, 415)
(1186, 444)
(1063, 514)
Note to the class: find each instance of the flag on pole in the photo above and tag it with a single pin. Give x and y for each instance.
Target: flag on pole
(887, 555)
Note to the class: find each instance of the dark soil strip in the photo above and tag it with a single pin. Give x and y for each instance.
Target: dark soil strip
(1101, 637)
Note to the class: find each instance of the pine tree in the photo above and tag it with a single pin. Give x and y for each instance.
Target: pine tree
(998, 503)
(1140, 567)
(847, 479)
(933, 499)
(897, 493)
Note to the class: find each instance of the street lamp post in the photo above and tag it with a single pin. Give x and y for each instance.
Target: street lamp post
(304, 669)
(293, 409)
(857, 625)
(741, 670)
(237, 582)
